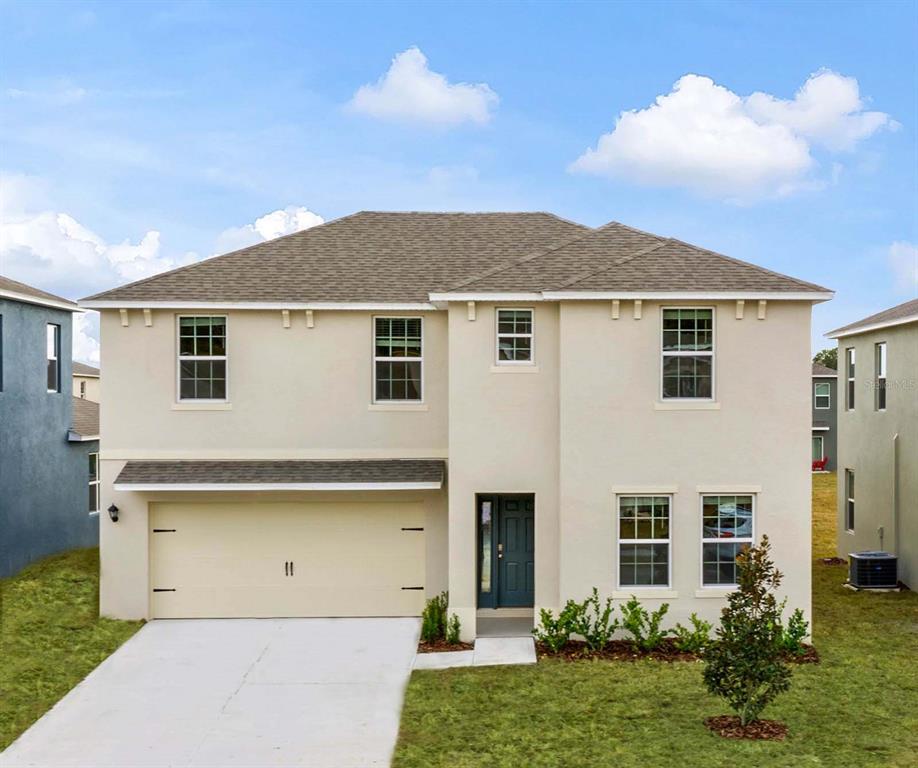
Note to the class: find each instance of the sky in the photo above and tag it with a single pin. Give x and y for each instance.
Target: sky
(137, 137)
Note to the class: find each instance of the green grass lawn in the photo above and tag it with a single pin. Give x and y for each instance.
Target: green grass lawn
(51, 636)
(859, 707)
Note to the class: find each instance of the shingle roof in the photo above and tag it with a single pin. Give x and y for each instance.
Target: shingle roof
(822, 370)
(85, 417)
(36, 295)
(282, 472)
(902, 313)
(81, 369)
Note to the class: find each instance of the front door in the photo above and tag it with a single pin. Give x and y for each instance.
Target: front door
(507, 546)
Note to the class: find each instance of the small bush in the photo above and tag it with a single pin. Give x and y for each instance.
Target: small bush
(452, 630)
(792, 637)
(433, 620)
(555, 633)
(692, 639)
(594, 622)
(644, 626)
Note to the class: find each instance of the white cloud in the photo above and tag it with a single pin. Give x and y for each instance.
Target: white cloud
(704, 137)
(903, 260)
(411, 92)
(61, 95)
(86, 337)
(282, 222)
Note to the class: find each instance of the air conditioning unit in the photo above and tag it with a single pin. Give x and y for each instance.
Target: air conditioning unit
(872, 570)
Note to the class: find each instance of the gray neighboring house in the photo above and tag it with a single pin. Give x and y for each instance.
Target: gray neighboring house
(878, 436)
(49, 440)
(825, 420)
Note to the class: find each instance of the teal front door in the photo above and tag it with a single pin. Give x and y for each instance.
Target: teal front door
(506, 534)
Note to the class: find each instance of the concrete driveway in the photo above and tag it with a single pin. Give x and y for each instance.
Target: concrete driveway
(234, 692)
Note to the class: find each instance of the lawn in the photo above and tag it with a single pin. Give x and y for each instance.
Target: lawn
(858, 707)
(51, 636)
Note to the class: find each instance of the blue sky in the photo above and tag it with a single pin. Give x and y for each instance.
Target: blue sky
(139, 136)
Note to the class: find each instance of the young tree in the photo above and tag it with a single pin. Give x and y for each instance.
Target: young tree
(828, 358)
(744, 664)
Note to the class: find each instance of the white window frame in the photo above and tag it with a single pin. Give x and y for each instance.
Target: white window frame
(879, 370)
(827, 396)
(376, 359)
(850, 363)
(619, 541)
(53, 353)
(97, 483)
(498, 335)
(849, 501)
(690, 353)
(190, 358)
(750, 540)
(822, 450)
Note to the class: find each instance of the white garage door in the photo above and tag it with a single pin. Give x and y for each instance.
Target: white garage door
(286, 559)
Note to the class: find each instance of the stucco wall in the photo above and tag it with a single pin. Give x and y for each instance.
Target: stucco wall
(43, 479)
(93, 387)
(830, 417)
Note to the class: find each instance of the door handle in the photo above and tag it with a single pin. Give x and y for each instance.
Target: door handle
(291, 567)
(500, 551)
(286, 567)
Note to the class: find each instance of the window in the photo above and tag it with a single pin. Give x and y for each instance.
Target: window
(818, 448)
(83, 389)
(514, 336)
(822, 395)
(202, 358)
(688, 353)
(849, 373)
(93, 483)
(880, 373)
(849, 500)
(398, 359)
(643, 541)
(54, 355)
(727, 529)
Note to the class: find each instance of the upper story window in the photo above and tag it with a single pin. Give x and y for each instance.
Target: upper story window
(688, 353)
(54, 357)
(727, 529)
(643, 541)
(849, 500)
(514, 336)
(202, 358)
(93, 483)
(83, 389)
(398, 359)
(849, 377)
(822, 395)
(880, 374)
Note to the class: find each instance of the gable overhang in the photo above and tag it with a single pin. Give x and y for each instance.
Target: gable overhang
(39, 301)
(841, 333)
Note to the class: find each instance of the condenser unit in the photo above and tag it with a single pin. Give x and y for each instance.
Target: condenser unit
(872, 570)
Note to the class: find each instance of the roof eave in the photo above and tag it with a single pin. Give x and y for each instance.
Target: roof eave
(814, 296)
(840, 333)
(356, 306)
(39, 301)
(208, 487)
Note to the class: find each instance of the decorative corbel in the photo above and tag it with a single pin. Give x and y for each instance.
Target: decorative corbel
(762, 305)
(124, 317)
(740, 308)
(310, 319)
(638, 305)
(615, 309)
(285, 317)
(148, 318)
(471, 308)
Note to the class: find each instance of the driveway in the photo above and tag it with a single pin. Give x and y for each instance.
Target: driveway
(234, 692)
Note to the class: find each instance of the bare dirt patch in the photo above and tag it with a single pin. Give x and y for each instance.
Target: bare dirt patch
(441, 645)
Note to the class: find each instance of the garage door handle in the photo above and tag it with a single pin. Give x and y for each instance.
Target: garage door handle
(286, 567)
(291, 567)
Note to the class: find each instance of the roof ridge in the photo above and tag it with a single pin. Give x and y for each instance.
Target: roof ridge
(617, 263)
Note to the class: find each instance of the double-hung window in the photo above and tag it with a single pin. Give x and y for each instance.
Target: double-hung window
(822, 395)
(688, 354)
(643, 541)
(514, 337)
(398, 359)
(849, 376)
(880, 375)
(727, 529)
(54, 357)
(93, 483)
(202, 357)
(849, 500)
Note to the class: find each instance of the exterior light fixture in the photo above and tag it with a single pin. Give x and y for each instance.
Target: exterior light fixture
(113, 513)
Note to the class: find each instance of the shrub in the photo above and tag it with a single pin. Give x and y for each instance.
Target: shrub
(555, 633)
(744, 664)
(433, 620)
(643, 626)
(692, 639)
(452, 630)
(792, 637)
(594, 622)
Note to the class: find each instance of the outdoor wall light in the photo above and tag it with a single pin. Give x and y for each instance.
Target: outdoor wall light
(113, 513)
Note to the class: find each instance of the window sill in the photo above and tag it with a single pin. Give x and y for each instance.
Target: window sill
(94, 514)
(397, 407)
(202, 406)
(686, 405)
(514, 369)
(643, 593)
(717, 593)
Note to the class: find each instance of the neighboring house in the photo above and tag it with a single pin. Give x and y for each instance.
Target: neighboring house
(825, 421)
(878, 436)
(86, 382)
(509, 406)
(49, 444)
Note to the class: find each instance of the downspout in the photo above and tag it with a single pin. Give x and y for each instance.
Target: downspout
(895, 509)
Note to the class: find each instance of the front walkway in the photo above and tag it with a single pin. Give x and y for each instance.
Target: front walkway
(234, 692)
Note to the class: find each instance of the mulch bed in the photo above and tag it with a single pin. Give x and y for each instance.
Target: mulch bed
(729, 727)
(442, 645)
(622, 650)
(833, 561)
(809, 656)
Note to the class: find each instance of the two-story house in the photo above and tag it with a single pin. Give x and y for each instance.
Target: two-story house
(878, 436)
(86, 381)
(49, 440)
(825, 421)
(508, 406)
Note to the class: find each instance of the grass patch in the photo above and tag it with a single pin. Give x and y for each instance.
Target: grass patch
(51, 635)
(858, 707)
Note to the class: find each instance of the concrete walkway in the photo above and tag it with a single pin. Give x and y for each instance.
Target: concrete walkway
(237, 692)
(488, 652)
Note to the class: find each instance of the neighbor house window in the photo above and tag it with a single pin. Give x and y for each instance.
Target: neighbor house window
(83, 389)
(880, 373)
(398, 359)
(643, 541)
(822, 395)
(202, 358)
(727, 529)
(818, 448)
(849, 375)
(849, 500)
(688, 353)
(93, 483)
(514, 336)
(54, 357)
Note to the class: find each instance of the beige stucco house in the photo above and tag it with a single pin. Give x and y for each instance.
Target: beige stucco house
(514, 407)
(86, 382)
(878, 436)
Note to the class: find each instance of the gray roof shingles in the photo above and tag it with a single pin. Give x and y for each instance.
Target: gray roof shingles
(899, 312)
(85, 417)
(14, 286)
(822, 370)
(81, 369)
